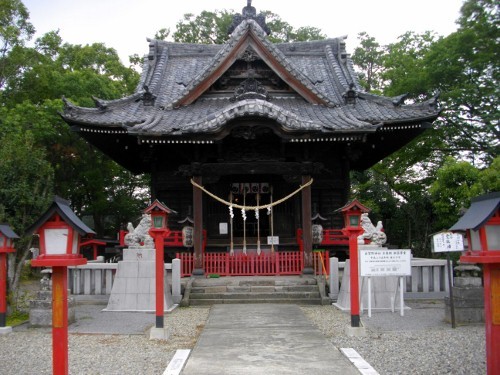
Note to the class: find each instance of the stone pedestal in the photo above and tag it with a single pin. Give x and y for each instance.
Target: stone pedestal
(468, 300)
(41, 310)
(134, 286)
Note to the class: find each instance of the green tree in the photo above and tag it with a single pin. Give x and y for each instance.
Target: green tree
(26, 188)
(456, 183)
(368, 58)
(83, 175)
(212, 28)
(15, 30)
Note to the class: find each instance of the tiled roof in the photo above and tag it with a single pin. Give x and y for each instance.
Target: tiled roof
(173, 71)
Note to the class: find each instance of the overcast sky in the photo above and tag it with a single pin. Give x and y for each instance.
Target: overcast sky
(125, 24)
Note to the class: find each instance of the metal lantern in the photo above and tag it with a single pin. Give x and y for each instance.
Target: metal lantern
(159, 214)
(352, 212)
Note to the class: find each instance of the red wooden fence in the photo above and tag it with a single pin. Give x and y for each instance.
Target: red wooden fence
(278, 263)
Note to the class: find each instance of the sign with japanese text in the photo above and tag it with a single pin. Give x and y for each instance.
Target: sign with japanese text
(385, 262)
(446, 242)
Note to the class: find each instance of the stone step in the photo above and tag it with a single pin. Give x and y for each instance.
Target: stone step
(255, 281)
(294, 301)
(251, 289)
(275, 295)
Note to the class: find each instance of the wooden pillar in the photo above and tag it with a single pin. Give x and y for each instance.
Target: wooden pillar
(60, 320)
(307, 227)
(198, 228)
(3, 289)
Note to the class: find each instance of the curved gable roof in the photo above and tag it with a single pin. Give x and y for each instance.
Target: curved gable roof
(175, 96)
(249, 33)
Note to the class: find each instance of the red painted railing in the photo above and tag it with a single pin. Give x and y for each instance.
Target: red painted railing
(278, 263)
(334, 237)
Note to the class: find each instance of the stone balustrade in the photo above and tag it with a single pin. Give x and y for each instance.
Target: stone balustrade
(94, 280)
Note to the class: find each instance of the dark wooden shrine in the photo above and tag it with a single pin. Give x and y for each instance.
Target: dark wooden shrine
(249, 117)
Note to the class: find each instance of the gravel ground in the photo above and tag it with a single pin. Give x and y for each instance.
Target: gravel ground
(418, 343)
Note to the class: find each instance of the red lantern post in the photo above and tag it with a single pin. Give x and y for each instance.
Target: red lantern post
(481, 222)
(352, 220)
(6, 246)
(159, 230)
(59, 230)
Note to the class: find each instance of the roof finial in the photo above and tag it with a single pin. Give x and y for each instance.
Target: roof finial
(249, 12)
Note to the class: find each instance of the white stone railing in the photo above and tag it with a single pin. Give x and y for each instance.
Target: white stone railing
(96, 279)
(429, 278)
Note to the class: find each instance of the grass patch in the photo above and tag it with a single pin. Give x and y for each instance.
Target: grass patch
(16, 318)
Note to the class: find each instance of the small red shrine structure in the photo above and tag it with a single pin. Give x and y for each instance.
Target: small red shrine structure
(481, 223)
(250, 122)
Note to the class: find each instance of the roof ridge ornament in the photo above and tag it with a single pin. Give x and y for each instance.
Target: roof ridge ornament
(350, 95)
(148, 98)
(250, 88)
(249, 12)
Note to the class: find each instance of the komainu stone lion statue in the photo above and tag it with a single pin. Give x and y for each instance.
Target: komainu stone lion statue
(139, 237)
(374, 234)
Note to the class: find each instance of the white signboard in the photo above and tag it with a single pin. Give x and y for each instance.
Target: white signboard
(223, 228)
(385, 262)
(446, 242)
(273, 240)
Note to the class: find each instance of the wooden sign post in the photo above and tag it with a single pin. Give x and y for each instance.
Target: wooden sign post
(446, 242)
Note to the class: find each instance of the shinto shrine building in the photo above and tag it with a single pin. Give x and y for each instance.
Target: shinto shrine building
(251, 122)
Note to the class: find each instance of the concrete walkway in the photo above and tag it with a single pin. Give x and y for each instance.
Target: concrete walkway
(261, 339)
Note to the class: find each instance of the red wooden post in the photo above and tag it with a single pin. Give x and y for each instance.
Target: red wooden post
(354, 272)
(3, 289)
(352, 220)
(160, 275)
(60, 320)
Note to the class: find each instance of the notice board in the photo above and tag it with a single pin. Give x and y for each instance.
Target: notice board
(385, 262)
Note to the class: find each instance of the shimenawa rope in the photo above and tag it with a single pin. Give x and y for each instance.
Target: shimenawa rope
(249, 208)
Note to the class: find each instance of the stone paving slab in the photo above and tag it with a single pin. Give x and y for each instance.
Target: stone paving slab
(269, 339)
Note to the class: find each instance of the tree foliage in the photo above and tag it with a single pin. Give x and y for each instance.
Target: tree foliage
(368, 57)
(40, 156)
(15, 30)
(429, 184)
(26, 187)
(212, 28)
